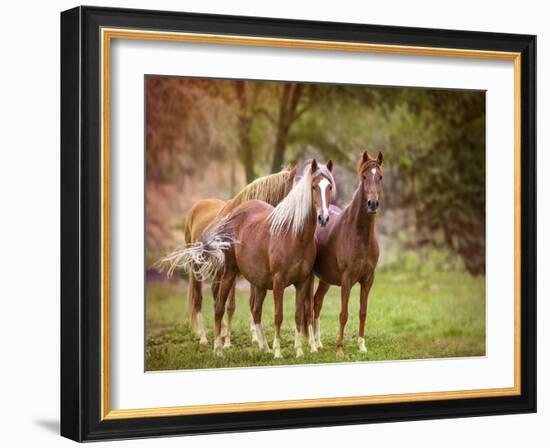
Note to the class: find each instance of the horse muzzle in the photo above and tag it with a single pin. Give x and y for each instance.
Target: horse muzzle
(372, 205)
(323, 220)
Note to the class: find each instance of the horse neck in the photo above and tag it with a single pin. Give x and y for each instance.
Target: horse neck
(308, 232)
(359, 220)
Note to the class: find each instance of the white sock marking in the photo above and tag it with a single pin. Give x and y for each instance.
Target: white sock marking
(318, 331)
(362, 347)
(202, 330)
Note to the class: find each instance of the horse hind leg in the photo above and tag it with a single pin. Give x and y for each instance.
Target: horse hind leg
(230, 313)
(257, 305)
(278, 297)
(302, 316)
(253, 333)
(221, 293)
(215, 291)
(195, 308)
(308, 315)
(317, 306)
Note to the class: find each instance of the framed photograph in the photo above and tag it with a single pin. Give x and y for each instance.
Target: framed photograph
(276, 224)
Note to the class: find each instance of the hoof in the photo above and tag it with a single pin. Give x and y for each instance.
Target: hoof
(264, 347)
(227, 343)
(218, 350)
(278, 354)
(255, 339)
(340, 352)
(299, 353)
(362, 347)
(203, 341)
(313, 349)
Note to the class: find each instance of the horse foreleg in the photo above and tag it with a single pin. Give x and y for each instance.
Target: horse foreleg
(258, 301)
(278, 296)
(317, 305)
(195, 308)
(365, 288)
(230, 313)
(222, 291)
(346, 288)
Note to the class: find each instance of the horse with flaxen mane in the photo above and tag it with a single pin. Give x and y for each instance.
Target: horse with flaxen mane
(347, 249)
(205, 213)
(272, 248)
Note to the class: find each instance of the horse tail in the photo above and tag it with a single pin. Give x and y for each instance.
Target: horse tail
(204, 258)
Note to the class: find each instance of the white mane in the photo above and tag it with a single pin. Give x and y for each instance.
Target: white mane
(293, 211)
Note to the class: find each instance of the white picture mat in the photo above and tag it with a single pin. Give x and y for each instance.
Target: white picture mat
(131, 387)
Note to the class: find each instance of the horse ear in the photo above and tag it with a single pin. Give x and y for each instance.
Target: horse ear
(380, 158)
(314, 165)
(366, 157)
(329, 165)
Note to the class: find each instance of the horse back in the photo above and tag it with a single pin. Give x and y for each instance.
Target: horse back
(201, 214)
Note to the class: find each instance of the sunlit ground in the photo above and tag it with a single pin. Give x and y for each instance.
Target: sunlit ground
(410, 316)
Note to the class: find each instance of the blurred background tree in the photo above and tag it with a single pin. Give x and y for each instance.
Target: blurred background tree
(209, 138)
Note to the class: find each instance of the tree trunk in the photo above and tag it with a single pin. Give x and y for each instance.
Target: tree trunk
(279, 149)
(246, 151)
(290, 97)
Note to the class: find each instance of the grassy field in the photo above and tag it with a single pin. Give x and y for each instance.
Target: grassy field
(410, 316)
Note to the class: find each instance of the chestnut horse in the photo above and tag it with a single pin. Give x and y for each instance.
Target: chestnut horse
(271, 189)
(272, 248)
(347, 249)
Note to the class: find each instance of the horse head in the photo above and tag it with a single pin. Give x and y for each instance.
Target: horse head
(321, 188)
(370, 174)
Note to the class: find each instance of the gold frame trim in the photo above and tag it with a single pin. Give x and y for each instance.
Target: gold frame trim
(107, 35)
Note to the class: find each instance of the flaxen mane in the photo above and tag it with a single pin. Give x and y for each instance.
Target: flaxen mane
(271, 189)
(292, 212)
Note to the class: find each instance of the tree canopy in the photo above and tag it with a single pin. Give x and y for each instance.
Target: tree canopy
(433, 142)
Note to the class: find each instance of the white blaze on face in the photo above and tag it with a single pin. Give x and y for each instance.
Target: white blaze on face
(323, 186)
(373, 171)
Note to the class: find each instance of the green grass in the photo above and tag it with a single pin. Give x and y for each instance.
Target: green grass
(410, 316)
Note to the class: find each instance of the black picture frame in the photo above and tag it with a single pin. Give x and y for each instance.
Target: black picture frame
(81, 226)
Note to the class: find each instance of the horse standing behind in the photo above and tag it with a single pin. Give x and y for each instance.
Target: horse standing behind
(272, 248)
(347, 249)
(203, 214)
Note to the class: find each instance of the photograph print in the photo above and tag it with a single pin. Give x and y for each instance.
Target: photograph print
(304, 223)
